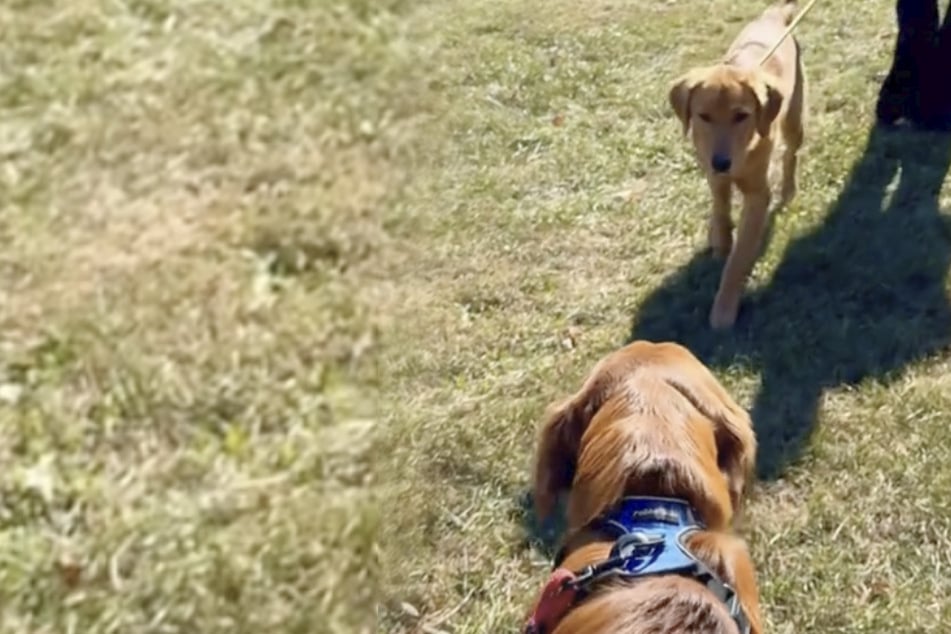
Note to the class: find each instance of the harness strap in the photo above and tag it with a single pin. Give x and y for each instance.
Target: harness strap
(640, 550)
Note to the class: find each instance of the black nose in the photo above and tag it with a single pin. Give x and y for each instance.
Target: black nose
(720, 163)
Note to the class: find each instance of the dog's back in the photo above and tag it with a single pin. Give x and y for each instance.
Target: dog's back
(760, 35)
(651, 420)
(687, 608)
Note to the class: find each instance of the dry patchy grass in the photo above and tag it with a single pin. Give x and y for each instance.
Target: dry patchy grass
(193, 203)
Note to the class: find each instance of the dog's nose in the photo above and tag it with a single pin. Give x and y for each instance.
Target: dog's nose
(720, 163)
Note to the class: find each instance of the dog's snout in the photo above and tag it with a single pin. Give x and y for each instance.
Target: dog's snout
(720, 163)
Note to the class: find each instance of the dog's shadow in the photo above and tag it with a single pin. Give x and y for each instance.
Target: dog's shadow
(858, 298)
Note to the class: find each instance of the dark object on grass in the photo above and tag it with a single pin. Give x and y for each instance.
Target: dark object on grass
(917, 87)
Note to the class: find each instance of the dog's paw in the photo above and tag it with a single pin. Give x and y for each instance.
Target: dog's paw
(723, 314)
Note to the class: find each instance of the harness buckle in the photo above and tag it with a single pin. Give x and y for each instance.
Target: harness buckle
(635, 550)
(630, 553)
(636, 544)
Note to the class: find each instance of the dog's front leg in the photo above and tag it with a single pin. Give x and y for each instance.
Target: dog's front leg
(720, 232)
(749, 240)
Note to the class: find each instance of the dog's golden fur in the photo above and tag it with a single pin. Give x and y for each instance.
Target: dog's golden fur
(735, 111)
(651, 420)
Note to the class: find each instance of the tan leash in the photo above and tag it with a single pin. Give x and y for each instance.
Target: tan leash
(788, 31)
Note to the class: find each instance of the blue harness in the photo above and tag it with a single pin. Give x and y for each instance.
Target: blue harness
(650, 534)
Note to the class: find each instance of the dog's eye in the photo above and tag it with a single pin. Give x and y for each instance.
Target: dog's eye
(705, 117)
(740, 116)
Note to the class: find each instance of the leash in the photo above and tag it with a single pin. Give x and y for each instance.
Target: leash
(788, 31)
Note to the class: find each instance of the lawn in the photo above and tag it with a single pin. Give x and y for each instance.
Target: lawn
(193, 197)
(287, 286)
(563, 216)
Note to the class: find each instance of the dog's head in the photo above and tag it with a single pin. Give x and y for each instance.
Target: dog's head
(726, 107)
(652, 420)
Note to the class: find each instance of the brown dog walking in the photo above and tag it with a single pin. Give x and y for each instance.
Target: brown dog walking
(733, 110)
(655, 456)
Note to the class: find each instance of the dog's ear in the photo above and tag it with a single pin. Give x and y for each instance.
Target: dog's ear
(559, 440)
(769, 101)
(681, 92)
(733, 428)
(736, 448)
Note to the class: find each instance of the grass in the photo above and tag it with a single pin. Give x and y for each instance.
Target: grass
(564, 216)
(193, 197)
(287, 285)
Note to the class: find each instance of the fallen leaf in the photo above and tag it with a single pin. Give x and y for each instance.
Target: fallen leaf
(70, 571)
(570, 340)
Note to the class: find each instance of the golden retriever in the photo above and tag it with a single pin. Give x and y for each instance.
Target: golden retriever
(734, 109)
(650, 430)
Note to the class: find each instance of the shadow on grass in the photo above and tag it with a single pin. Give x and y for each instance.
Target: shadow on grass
(859, 297)
(543, 535)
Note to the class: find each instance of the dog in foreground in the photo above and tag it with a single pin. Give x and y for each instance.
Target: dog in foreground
(655, 456)
(735, 111)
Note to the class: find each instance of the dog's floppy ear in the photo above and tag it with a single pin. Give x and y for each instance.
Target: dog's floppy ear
(559, 440)
(735, 439)
(769, 100)
(681, 91)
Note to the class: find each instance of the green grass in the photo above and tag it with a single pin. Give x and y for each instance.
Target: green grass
(287, 286)
(564, 216)
(193, 203)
